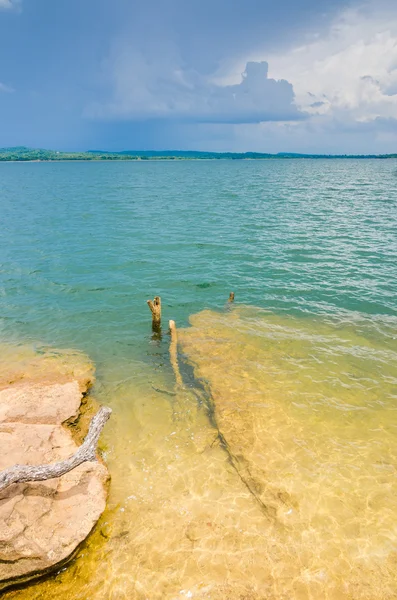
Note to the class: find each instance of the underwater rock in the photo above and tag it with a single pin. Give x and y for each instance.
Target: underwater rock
(42, 523)
(228, 369)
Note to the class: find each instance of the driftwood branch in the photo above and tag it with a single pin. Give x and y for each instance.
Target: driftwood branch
(155, 307)
(86, 453)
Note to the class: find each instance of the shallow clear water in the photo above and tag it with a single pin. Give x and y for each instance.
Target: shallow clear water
(271, 471)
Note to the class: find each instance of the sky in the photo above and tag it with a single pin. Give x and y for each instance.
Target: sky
(311, 76)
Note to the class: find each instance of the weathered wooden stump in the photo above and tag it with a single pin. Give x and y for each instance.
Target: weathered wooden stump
(155, 307)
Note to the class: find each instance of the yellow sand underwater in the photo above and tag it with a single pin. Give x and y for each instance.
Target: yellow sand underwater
(270, 473)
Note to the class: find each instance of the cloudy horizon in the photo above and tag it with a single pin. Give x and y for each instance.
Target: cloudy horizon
(320, 77)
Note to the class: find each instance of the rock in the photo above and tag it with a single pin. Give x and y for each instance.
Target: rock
(42, 524)
(40, 404)
(238, 403)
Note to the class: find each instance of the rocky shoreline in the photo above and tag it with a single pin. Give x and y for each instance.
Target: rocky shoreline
(42, 523)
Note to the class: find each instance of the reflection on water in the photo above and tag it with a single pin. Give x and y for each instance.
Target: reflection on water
(270, 473)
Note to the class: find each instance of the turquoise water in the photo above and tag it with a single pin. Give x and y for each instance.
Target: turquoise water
(84, 245)
(298, 502)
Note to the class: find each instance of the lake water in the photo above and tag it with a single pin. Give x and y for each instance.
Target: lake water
(258, 458)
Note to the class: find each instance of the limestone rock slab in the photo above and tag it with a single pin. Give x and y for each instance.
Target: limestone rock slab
(42, 523)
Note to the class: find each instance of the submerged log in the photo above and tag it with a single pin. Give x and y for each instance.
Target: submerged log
(86, 453)
(172, 326)
(155, 308)
(174, 353)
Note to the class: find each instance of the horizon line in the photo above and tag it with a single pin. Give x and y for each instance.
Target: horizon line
(172, 152)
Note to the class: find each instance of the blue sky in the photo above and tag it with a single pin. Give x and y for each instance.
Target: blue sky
(293, 75)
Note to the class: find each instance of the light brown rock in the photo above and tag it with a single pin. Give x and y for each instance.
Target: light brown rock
(37, 403)
(41, 524)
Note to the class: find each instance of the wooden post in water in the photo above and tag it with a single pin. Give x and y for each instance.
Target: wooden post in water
(155, 307)
(231, 297)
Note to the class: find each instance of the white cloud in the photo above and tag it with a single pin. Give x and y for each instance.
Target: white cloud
(336, 93)
(345, 81)
(10, 4)
(145, 87)
(255, 99)
(351, 72)
(347, 75)
(6, 88)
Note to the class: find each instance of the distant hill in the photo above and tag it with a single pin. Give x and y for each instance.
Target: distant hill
(21, 154)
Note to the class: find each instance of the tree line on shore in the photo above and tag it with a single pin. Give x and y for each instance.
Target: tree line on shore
(23, 154)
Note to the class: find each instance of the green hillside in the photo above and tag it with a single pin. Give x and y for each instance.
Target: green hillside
(21, 154)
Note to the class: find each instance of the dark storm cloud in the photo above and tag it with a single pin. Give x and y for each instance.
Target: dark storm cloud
(142, 94)
(61, 57)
